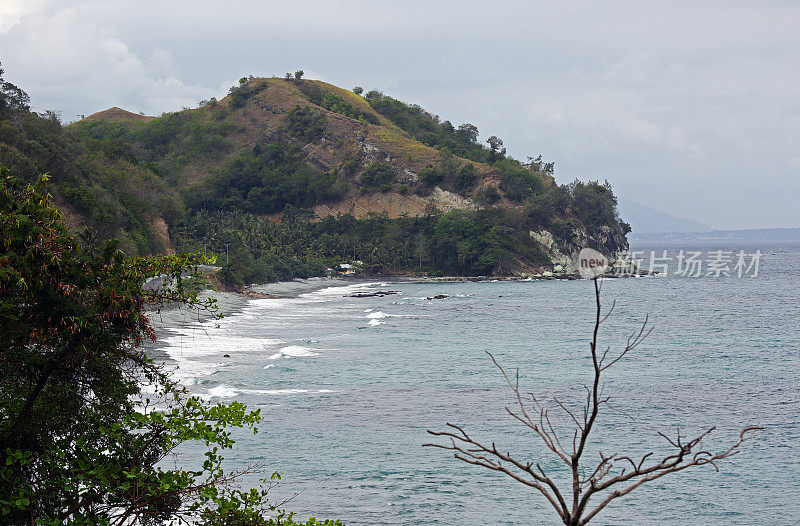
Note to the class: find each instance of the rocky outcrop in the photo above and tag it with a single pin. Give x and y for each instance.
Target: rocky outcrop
(564, 252)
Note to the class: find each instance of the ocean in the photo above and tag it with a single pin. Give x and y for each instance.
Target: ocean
(348, 387)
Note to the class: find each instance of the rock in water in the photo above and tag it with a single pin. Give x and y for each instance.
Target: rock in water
(376, 294)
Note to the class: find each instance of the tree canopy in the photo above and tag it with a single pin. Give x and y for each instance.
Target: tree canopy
(85, 415)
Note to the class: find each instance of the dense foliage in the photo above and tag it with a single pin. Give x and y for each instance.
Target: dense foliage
(448, 174)
(556, 209)
(263, 180)
(305, 123)
(97, 178)
(485, 242)
(427, 129)
(518, 180)
(85, 416)
(465, 243)
(316, 94)
(168, 143)
(378, 175)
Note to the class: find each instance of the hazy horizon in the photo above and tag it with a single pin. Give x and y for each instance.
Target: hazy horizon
(686, 108)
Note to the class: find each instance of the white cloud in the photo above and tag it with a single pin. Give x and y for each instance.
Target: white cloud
(600, 118)
(11, 11)
(81, 67)
(161, 64)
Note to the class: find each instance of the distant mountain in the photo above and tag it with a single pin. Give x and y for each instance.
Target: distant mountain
(645, 219)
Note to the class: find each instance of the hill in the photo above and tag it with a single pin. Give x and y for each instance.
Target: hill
(117, 114)
(332, 130)
(286, 176)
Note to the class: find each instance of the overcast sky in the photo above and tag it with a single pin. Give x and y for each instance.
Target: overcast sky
(690, 107)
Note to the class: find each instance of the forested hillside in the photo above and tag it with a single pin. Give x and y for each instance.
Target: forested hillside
(287, 176)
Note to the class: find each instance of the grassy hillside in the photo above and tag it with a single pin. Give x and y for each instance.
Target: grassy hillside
(252, 175)
(295, 141)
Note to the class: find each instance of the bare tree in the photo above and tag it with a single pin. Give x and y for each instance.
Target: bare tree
(614, 475)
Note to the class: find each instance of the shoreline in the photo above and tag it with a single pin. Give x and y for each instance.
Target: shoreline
(229, 303)
(173, 317)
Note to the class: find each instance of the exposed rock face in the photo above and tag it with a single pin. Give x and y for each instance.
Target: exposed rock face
(447, 200)
(564, 252)
(161, 235)
(395, 204)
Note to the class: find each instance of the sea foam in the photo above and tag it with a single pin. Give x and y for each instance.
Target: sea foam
(293, 351)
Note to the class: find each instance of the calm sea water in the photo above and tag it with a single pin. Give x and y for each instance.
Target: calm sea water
(349, 386)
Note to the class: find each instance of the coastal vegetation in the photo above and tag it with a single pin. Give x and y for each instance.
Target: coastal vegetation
(459, 242)
(87, 417)
(107, 191)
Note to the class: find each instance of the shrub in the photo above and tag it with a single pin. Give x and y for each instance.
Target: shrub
(594, 203)
(518, 182)
(488, 195)
(378, 175)
(430, 177)
(466, 177)
(305, 123)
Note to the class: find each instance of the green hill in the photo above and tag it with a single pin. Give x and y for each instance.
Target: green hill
(288, 176)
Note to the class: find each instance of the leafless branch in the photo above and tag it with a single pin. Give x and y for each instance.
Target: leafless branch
(615, 475)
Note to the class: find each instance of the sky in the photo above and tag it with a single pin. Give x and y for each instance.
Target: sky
(692, 108)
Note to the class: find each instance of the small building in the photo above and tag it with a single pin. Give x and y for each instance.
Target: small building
(346, 268)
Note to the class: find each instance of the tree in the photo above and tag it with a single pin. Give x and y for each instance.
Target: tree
(305, 123)
(298, 74)
(238, 95)
(80, 438)
(488, 195)
(358, 90)
(536, 164)
(614, 476)
(594, 203)
(468, 133)
(496, 150)
(12, 98)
